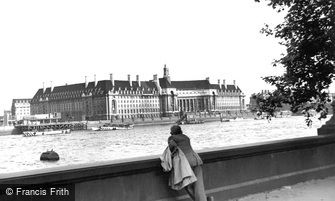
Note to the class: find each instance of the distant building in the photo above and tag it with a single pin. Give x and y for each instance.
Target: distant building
(98, 100)
(20, 108)
(7, 118)
(117, 99)
(199, 96)
(253, 105)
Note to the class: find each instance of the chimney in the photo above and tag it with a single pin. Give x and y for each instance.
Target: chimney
(155, 78)
(156, 83)
(207, 78)
(234, 82)
(95, 80)
(138, 80)
(51, 86)
(219, 83)
(111, 78)
(129, 80)
(43, 88)
(224, 83)
(86, 83)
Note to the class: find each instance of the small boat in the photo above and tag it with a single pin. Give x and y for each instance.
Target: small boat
(45, 132)
(192, 121)
(111, 127)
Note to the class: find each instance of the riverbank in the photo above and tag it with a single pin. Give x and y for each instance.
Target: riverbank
(136, 122)
(6, 128)
(87, 125)
(172, 120)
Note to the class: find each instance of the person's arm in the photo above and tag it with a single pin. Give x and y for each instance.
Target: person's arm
(172, 144)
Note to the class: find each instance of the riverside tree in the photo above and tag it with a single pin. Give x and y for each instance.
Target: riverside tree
(308, 35)
(267, 102)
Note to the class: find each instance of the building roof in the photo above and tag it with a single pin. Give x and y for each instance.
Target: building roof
(164, 83)
(196, 84)
(101, 89)
(231, 87)
(191, 84)
(21, 99)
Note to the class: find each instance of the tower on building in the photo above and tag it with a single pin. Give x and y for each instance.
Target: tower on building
(166, 74)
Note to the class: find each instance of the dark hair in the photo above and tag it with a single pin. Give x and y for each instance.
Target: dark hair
(175, 130)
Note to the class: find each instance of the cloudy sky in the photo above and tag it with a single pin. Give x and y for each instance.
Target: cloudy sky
(63, 41)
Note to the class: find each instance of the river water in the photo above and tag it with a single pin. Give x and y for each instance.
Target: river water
(19, 153)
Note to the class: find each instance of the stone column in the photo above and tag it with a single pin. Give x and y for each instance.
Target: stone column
(184, 107)
(329, 127)
(193, 105)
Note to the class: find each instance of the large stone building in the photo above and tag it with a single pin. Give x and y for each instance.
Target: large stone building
(116, 99)
(199, 95)
(20, 108)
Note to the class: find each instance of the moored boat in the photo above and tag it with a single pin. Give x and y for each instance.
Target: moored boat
(110, 127)
(191, 121)
(46, 132)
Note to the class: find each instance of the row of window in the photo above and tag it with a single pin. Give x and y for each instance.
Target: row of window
(201, 92)
(131, 91)
(137, 105)
(138, 111)
(137, 101)
(22, 101)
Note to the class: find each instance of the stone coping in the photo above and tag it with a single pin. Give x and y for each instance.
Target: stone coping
(107, 169)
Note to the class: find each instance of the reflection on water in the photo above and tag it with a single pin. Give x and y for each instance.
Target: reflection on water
(19, 153)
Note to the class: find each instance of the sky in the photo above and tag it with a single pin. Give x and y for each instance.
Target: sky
(63, 41)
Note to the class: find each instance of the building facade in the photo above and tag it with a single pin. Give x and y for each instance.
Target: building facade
(7, 118)
(200, 96)
(99, 100)
(119, 99)
(20, 108)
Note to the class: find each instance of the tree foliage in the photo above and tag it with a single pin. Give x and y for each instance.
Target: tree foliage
(308, 35)
(268, 102)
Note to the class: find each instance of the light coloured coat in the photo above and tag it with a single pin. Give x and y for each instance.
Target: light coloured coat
(181, 172)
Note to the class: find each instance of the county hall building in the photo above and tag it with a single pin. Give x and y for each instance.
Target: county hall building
(119, 99)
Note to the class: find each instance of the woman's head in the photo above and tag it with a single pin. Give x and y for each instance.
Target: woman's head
(175, 130)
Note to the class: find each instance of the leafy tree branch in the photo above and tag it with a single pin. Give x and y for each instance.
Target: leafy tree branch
(308, 35)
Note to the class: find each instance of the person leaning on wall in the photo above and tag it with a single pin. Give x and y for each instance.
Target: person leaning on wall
(179, 141)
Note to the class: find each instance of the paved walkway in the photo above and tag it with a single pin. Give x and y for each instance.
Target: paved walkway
(314, 190)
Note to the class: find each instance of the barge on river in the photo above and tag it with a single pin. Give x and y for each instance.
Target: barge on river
(45, 132)
(60, 126)
(111, 127)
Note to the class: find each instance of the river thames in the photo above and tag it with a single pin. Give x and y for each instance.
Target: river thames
(20, 153)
